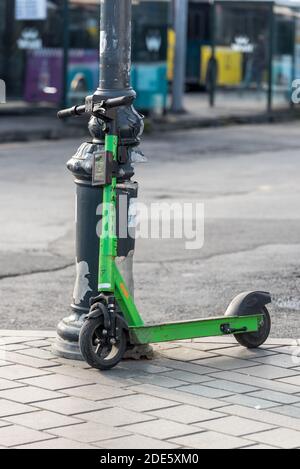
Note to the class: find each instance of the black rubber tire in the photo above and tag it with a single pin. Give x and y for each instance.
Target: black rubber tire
(252, 340)
(87, 348)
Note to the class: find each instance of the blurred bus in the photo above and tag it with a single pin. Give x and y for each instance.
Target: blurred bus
(240, 32)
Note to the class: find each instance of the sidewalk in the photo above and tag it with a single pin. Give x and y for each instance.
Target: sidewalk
(209, 393)
(29, 128)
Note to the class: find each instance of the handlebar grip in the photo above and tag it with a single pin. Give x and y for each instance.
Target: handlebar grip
(72, 111)
(117, 102)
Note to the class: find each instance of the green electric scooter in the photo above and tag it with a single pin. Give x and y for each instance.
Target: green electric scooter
(114, 323)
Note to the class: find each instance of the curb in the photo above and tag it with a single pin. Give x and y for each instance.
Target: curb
(184, 122)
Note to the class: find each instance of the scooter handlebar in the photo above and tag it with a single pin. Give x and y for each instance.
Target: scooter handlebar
(72, 111)
(106, 104)
(117, 102)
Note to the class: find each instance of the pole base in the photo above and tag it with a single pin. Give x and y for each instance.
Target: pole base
(66, 344)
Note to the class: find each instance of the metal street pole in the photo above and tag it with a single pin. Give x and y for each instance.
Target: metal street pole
(271, 57)
(115, 68)
(66, 44)
(180, 26)
(8, 45)
(213, 71)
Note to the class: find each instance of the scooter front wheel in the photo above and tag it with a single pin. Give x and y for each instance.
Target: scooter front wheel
(97, 348)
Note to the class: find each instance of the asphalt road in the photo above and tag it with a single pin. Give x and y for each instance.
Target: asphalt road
(248, 178)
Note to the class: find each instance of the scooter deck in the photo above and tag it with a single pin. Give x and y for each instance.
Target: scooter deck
(210, 327)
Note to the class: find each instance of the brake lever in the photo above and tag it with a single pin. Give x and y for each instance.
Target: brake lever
(107, 115)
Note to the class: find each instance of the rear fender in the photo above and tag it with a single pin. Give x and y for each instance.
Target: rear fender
(248, 303)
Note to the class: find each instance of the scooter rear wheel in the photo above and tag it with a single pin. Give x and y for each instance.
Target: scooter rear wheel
(253, 340)
(98, 350)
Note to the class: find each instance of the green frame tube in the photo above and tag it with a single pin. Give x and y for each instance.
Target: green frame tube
(110, 281)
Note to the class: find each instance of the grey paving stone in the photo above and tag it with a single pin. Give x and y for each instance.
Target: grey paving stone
(12, 340)
(277, 386)
(204, 391)
(37, 353)
(208, 347)
(164, 346)
(186, 354)
(245, 354)
(288, 350)
(139, 402)
(42, 420)
(227, 363)
(29, 394)
(28, 335)
(290, 410)
(71, 405)
(294, 380)
(211, 440)
(264, 416)
(116, 417)
(13, 347)
(90, 376)
(87, 375)
(15, 435)
(186, 366)
(232, 387)
(248, 401)
(18, 357)
(280, 360)
(136, 442)
(3, 423)
(118, 374)
(260, 447)
(217, 340)
(268, 372)
(4, 363)
(8, 408)
(145, 366)
(186, 414)
(281, 437)
(236, 426)
(7, 384)
(55, 382)
(278, 397)
(97, 392)
(187, 377)
(158, 380)
(161, 429)
(57, 443)
(275, 341)
(64, 361)
(20, 372)
(39, 343)
(180, 397)
(88, 432)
